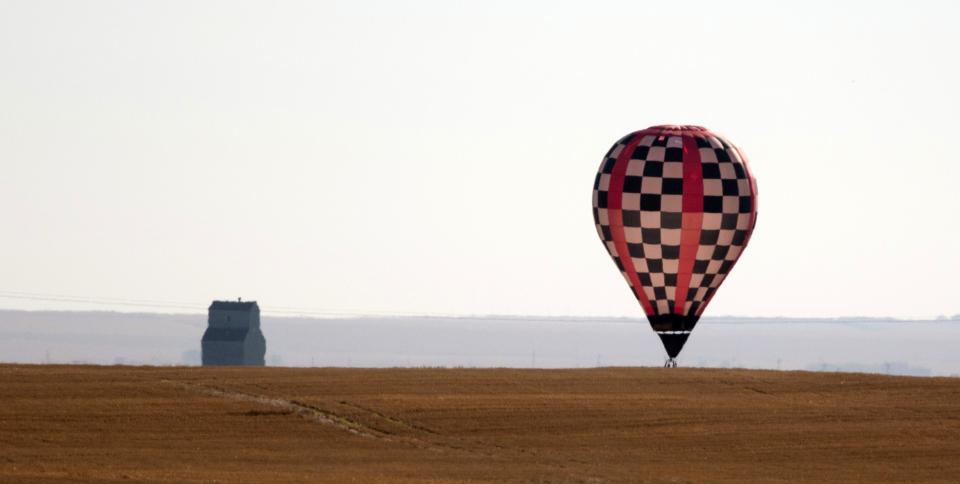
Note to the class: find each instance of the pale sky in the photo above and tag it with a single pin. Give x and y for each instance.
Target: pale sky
(438, 157)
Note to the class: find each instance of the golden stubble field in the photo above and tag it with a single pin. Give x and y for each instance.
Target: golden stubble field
(105, 424)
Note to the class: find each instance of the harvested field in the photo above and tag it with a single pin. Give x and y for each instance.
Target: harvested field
(103, 424)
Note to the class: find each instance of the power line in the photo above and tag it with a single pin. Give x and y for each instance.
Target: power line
(98, 298)
(152, 303)
(284, 310)
(101, 301)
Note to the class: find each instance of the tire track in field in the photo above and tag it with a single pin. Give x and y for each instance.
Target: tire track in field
(428, 439)
(308, 412)
(333, 419)
(397, 421)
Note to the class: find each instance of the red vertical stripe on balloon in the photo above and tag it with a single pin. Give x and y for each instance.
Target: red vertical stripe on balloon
(615, 212)
(692, 221)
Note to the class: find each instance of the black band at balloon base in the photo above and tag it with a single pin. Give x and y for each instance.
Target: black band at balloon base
(673, 342)
(673, 330)
(672, 322)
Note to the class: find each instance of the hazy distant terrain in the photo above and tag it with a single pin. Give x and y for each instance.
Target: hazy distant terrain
(165, 424)
(868, 345)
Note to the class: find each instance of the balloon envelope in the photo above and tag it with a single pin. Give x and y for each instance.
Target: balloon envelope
(674, 207)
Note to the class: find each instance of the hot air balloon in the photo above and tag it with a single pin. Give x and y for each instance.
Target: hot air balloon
(674, 207)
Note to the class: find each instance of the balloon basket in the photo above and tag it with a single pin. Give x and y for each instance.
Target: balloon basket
(671, 363)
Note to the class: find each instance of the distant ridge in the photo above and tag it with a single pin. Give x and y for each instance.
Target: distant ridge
(880, 345)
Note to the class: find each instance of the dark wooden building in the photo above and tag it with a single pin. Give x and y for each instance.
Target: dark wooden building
(233, 335)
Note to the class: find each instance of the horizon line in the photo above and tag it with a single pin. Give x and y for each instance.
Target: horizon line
(293, 314)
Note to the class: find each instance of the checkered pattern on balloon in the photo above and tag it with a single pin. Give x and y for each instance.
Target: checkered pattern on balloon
(675, 207)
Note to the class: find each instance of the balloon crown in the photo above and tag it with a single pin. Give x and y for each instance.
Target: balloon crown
(678, 127)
